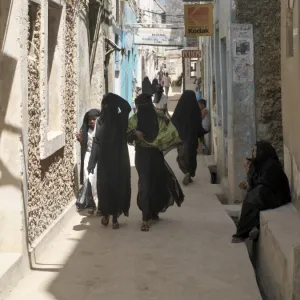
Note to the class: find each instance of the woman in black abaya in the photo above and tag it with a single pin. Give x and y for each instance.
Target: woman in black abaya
(158, 187)
(267, 188)
(110, 152)
(187, 120)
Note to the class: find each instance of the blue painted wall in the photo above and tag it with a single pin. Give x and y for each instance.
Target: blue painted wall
(129, 62)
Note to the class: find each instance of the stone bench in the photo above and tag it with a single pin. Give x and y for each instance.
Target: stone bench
(276, 255)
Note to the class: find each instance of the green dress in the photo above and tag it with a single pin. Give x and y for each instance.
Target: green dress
(167, 137)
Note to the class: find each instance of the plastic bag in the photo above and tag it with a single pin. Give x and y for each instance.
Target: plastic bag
(85, 199)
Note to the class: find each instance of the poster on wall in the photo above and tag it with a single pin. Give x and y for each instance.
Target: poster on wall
(198, 20)
(243, 70)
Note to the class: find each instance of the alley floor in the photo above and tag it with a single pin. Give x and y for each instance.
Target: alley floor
(186, 255)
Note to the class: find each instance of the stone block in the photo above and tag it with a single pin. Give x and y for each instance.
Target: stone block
(276, 255)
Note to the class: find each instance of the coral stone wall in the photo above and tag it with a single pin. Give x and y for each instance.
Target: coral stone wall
(265, 17)
(51, 182)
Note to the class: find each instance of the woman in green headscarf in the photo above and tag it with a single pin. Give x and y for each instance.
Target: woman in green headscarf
(152, 133)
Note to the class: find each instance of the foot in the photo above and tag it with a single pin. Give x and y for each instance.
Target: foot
(116, 225)
(191, 180)
(105, 221)
(145, 226)
(254, 233)
(186, 179)
(237, 240)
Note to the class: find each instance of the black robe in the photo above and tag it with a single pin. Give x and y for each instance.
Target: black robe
(268, 189)
(188, 121)
(158, 187)
(110, 152)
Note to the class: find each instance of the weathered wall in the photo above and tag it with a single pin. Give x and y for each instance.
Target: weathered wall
(290, 100)
(265, 18)
(50, 181)
(97, 88)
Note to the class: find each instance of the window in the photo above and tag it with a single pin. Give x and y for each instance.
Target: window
(54, 67)
(32, 16)
(193, 67)
(53, 77)
(94, 9)
(117, 56)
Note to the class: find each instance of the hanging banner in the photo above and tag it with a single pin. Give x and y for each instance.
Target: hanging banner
(198, 20)
(158, 37)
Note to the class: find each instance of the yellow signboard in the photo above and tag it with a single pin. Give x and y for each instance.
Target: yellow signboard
(198, 20)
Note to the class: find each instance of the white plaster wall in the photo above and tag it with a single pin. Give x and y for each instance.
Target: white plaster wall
(84, 101)
(293, 173)
(12, 82)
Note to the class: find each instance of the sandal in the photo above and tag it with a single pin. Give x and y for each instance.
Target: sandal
(116, 225)
(145, 227)
(105, 221)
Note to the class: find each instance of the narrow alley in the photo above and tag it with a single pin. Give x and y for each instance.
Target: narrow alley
(213, 82)
(186, 255)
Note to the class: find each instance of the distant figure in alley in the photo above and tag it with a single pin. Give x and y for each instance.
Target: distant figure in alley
(267, 188)
(167, 83)
(187, 120)
(160, 99)
(110, 151)
(151, 132)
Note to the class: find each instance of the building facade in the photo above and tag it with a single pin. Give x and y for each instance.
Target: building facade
(56, 62)
(242, 69)
(249, 79)
(129, 61)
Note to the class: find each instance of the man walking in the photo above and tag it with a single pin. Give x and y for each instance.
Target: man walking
(167, 83)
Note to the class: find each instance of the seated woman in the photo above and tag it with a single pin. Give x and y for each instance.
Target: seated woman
(153, 133)
(267, 188)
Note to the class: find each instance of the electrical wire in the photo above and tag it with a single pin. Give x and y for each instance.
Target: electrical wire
(159, 6)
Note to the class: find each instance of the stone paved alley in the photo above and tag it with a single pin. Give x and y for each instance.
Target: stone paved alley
(187, 255)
